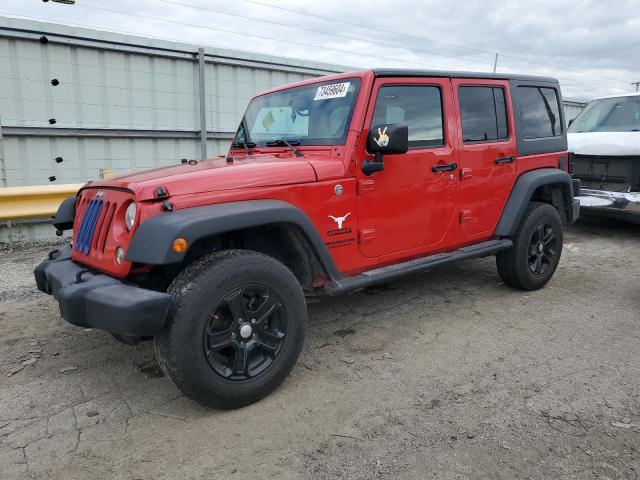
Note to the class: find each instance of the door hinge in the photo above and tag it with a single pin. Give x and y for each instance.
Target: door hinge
(366, 235)
(465, 216)
(366, 185)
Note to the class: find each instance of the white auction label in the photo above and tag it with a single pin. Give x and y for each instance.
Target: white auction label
(334, 90)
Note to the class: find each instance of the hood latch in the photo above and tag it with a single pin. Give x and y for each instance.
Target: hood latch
(160, 193)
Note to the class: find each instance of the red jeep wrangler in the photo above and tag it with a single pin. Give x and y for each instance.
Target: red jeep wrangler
(331, 185)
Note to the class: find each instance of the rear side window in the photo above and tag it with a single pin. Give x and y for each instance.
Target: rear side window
(484, 114)
(540, 112)
(419, 107)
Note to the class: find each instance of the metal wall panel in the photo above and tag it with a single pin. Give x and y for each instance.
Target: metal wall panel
(30, 160)
(229, 89)
(572, 108)
(142, 94)
(97, 89)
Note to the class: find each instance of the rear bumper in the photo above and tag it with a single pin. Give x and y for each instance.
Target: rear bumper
(575, 206)
(575, 210)
(621, 205)
(91, 299)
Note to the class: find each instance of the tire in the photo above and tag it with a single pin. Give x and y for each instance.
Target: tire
(524, 266)
(211, 349)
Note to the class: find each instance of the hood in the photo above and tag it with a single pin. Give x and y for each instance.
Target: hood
(259, 170)
(604, 143)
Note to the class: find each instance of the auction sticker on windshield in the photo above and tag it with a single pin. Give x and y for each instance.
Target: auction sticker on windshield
(334, 90)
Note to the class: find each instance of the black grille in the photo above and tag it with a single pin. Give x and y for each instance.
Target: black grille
(619, 174)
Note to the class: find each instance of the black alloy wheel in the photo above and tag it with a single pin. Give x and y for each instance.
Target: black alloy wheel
(245, 332)
(542, 248)
(235, 328)
(537, 246)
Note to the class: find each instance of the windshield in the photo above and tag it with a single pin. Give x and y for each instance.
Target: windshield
(620, 114)
(317, 114)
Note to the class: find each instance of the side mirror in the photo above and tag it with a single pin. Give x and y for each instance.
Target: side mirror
(570, 122)
(385, 139)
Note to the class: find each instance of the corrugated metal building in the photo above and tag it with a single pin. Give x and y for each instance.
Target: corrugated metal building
(572, 107)
(118, 102)
(77, 104)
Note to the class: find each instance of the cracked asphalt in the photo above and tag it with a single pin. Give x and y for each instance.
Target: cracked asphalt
(444, 375)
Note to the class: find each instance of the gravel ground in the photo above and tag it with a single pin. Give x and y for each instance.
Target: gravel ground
(445, 375)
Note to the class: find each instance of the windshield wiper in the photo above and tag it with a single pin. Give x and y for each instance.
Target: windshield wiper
(245, 145)
(290, 144)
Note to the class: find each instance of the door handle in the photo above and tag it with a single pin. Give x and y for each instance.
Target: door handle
(501, 160)
(444, 168)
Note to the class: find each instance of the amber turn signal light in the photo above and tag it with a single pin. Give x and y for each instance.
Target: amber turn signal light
(180, 245)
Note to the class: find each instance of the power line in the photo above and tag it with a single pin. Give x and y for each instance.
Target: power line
(371, 27)
(244, 34)
(490, 64)
(417, 37)
(125, 32)
(333, 34)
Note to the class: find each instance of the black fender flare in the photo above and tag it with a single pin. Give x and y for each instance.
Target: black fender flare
(523, 191)
(66, 214)
(152, 241)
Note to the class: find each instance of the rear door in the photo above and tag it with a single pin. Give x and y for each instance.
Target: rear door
(408, 205)
(487, 153)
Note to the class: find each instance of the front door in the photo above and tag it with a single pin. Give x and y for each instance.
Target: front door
(410, 204)
(487, 153)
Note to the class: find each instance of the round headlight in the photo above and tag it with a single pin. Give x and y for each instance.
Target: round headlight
(130, 215)
(119, 255)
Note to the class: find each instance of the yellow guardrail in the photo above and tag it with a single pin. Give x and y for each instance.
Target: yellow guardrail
(38, 201)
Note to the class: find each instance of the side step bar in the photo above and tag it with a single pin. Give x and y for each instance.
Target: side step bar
(419, 265)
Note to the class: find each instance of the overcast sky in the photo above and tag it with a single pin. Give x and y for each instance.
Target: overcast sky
(592, 47)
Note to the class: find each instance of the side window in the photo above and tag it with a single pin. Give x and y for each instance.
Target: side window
(484, 114)
(418, 107)
(540, 112)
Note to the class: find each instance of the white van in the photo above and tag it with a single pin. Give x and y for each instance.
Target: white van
(605, 141)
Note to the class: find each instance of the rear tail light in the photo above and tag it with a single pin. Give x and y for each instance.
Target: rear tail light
(570, 161)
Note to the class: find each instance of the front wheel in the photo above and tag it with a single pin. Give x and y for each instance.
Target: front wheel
(537, 246)
(235, 329)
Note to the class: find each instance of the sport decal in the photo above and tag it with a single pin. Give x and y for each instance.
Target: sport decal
(334, 90)
(339, 220)
(341, 230)
(383, 138)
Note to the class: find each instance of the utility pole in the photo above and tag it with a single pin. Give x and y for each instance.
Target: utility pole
(636, 84)
(203, 104)
(495, 63)
(3, 164)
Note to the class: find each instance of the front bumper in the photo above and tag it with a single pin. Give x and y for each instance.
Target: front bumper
(88, 298)
(622, 205)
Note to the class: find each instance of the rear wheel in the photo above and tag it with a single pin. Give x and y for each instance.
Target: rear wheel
(235, 329)
(537, 246)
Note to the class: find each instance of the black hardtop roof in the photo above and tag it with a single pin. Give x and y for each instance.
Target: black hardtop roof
(402, 72)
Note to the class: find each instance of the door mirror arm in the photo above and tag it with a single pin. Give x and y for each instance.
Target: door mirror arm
(369, 166)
